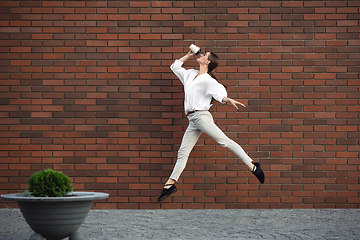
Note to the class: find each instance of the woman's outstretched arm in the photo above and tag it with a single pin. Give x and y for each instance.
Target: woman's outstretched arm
(233, 102)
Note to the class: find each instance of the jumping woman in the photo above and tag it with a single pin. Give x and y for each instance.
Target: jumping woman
(200, 88)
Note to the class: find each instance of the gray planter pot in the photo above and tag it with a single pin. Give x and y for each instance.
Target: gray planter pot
(55, 218)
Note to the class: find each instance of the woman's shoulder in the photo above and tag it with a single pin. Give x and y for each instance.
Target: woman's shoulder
(192, 71)
(211, 79)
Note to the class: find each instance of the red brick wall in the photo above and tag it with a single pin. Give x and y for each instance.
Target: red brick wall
(86, 89)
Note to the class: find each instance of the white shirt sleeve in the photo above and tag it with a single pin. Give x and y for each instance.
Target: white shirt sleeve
(217, 91)
(179, 71)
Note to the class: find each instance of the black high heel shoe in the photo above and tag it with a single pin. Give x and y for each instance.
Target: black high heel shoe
(167, 192)
(258, 172)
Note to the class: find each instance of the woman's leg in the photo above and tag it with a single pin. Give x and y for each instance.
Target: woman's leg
(188, 142)
(206, 124)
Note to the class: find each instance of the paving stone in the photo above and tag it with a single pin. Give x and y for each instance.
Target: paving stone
(279, 224)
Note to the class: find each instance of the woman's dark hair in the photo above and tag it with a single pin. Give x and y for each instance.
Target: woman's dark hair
(214, 62)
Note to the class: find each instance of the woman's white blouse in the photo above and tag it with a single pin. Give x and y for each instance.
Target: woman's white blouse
(199, 91)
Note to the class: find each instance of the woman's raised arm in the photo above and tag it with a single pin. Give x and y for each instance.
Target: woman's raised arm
(187, 56)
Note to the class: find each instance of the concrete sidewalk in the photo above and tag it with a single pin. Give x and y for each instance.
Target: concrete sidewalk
(203, 224)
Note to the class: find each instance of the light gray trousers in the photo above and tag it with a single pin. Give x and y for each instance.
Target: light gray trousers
(199, 122)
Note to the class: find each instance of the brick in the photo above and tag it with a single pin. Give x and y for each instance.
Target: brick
(113, 86)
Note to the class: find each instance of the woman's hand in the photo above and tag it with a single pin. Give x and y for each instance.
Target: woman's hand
(233, 102)
(190, 53)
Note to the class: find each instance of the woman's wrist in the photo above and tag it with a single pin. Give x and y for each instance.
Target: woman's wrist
(226, 99)
(184, 58)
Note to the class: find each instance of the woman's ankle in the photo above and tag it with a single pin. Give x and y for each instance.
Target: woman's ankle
(170, 182)
(250, 166)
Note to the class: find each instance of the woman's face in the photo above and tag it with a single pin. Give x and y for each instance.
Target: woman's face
(203, 58)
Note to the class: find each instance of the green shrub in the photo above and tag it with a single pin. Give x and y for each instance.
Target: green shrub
(49, 183)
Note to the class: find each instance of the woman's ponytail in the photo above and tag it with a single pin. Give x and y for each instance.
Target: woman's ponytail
(214, 62)
(212, 75)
